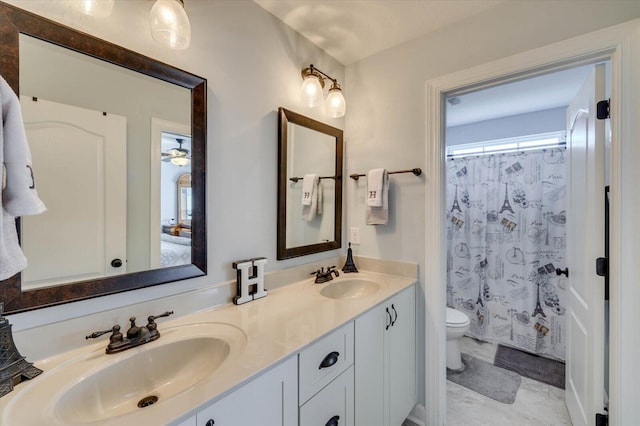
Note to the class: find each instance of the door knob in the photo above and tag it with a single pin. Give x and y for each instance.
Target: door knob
(116, 263)
(564, 271)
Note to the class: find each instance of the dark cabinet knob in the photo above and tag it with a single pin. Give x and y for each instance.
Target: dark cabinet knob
(329, 360)
(210, 422)
(333, 421)
(564, 271)
(116, 263)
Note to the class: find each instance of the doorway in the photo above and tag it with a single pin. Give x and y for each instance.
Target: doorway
(507, 202)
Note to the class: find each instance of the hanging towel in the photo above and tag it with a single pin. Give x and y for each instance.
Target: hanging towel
(375, 183)
(19, 195)
(377, 215)
(315, 196)
(309, 184)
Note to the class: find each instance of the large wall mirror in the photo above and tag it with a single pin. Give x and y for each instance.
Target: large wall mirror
(308, 221)
(111, 134)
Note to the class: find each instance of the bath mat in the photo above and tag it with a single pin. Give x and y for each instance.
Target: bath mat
(535, 367)
(487, 379)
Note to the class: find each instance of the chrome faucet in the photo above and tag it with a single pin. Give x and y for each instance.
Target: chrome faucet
(136, 336)
(323, 277)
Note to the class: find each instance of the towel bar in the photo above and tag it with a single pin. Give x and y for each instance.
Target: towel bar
(417, 171)
(296, 179)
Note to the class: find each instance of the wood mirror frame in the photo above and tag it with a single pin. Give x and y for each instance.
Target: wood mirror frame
(13, 22)
(284, 118)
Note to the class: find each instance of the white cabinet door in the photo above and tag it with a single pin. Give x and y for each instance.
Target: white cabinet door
(402, 357)
(333, 405)
(369, 367)
(269, 400)
(385, 364)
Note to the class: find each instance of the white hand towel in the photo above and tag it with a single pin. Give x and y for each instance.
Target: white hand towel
(309, 185)
(309, 212)
(375, 182)
(20, 197)
(379, 215)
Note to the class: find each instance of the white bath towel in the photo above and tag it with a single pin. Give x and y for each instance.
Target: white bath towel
(19, 195)
(379, 215)
(375, 183)
(309, 185)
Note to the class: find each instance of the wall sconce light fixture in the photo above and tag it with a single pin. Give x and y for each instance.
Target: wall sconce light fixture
(97, 8)
(311, 94)
(170, 24)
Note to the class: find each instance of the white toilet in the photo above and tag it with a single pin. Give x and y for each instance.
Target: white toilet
(457, 324)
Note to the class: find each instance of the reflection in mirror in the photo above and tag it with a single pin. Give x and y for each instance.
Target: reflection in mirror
(94, 121)
(310, 186)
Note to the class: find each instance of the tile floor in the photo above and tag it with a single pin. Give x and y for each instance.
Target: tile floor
(536, 404)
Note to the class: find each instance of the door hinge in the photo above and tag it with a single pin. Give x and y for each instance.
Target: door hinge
(602, 266)
(602, 419)
(603, 109)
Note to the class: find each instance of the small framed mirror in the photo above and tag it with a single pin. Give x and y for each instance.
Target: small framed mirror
(309, 185)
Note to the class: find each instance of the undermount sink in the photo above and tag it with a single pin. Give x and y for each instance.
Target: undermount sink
(349, 288)
(98, 387)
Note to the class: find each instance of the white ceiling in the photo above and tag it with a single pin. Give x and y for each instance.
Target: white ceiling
(534, 94)
(350, 30)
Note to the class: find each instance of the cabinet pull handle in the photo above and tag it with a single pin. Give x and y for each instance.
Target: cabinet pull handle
(333, 421)
(390, 321)
(329, 360)
(211, 422)
(396, 312)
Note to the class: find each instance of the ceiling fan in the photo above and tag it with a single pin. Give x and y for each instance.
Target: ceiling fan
(179, 156)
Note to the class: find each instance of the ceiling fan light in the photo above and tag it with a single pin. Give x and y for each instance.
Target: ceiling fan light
(336, 106)
(97, 8)
(170, 25)
(181, 161)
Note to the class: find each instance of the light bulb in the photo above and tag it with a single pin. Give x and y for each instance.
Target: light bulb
(97, 8)
(311, 91)
(170, 24)
(335, 104)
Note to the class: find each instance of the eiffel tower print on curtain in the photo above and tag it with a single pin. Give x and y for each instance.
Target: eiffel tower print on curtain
(506, 206)
(456, 205)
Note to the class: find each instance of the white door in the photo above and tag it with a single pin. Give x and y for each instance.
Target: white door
(585, 242)
(79, 161)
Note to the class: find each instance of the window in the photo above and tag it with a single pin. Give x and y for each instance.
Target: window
(521, 143)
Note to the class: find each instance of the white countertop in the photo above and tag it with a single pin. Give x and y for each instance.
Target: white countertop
(277, 326)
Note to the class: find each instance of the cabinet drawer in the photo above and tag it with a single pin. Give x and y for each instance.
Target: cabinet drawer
(324, 360)
(333, 405)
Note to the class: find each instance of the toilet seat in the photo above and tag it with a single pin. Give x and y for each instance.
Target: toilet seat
(455, 318)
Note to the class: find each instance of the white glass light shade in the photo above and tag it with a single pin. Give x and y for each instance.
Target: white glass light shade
(97, 8)
(311, 91)
(335, 104)
(180, 161)
(170, 24)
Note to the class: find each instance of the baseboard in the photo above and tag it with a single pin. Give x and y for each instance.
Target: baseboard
(418, 415)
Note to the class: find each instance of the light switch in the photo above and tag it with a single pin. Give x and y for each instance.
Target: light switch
(354, 235)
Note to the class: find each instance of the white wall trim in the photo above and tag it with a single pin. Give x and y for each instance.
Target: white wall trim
(612, 43)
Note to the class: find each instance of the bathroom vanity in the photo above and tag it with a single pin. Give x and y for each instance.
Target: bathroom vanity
(337, 353)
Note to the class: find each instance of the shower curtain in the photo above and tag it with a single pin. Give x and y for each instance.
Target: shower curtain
(506, 236)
